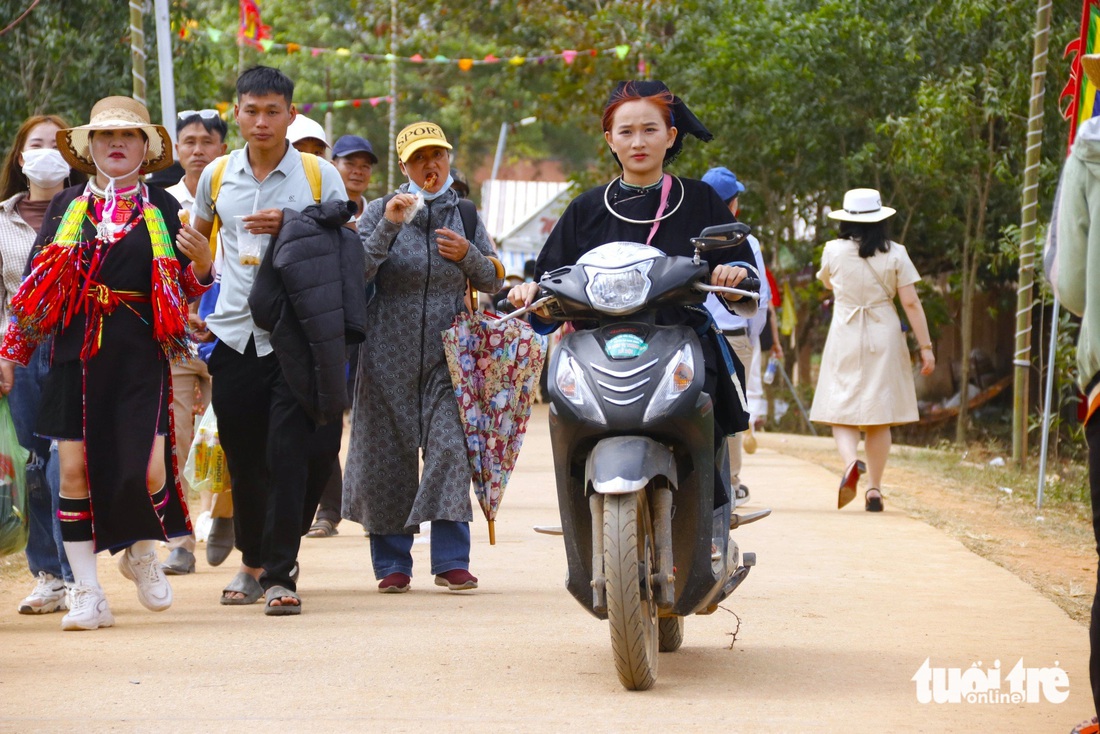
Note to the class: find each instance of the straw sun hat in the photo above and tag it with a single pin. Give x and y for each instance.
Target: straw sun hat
(115, 113)
(1090, 64)
(862, 205)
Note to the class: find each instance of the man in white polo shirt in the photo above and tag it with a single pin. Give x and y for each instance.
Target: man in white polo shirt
(277, 455)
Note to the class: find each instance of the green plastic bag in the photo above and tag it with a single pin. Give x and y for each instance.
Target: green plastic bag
(14, 518)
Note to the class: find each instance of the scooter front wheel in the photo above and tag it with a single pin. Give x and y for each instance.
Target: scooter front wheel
(629, 564)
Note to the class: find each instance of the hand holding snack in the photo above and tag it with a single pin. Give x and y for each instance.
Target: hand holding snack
(196, 247)
(402, 208)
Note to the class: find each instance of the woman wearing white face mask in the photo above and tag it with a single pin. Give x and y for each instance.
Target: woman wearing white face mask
(109, 285)
(32, 174)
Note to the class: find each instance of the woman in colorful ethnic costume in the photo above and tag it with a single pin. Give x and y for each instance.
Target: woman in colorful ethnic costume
(644, 126)
(107, 282)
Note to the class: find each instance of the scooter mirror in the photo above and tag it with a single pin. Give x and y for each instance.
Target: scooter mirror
(721, 236)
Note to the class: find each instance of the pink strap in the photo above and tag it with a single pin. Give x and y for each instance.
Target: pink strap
(666, 188)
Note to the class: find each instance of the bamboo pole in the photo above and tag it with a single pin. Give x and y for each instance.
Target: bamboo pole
(137, 49)
(1021, 360)
(391, 166)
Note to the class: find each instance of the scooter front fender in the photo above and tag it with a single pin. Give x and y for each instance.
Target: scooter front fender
(625, 464)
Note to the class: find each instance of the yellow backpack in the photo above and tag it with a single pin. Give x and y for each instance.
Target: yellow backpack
(313, 174)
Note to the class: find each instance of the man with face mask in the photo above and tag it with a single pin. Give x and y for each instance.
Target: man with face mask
(32, 173)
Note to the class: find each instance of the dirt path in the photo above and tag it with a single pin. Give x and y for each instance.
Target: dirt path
(1054, 552)
(841, 612)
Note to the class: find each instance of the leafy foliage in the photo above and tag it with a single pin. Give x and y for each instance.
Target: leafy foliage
(42, 73)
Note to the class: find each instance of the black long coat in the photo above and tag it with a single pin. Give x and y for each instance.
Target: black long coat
(309, 293)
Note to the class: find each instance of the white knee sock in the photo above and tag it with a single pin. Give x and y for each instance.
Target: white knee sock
(81, 556)
(142, 547)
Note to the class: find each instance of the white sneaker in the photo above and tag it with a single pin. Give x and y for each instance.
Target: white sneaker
(49, 595)
(88, 609)
(154, 591)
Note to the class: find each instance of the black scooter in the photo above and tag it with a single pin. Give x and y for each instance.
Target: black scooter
(632, 435)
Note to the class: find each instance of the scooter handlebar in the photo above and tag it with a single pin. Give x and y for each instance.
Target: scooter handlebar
(731, 291)
(535, 305)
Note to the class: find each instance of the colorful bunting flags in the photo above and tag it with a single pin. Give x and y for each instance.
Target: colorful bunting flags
(257, 35)
(338, 104)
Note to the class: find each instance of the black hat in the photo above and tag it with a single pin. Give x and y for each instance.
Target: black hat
(685, 122)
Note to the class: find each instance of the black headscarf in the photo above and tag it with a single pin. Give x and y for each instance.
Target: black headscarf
(683, 119)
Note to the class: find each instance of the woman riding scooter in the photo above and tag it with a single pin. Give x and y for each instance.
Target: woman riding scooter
(644, 126)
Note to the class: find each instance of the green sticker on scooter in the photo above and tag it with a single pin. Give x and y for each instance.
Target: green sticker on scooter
(625, 346)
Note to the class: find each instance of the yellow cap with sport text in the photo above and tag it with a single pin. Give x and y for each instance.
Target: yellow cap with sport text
(419, 135)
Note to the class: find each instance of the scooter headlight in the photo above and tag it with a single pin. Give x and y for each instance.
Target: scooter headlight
(571, 384)
(678, 376)
(621, 290)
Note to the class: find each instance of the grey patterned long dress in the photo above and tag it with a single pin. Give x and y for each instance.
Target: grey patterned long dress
(404, 401)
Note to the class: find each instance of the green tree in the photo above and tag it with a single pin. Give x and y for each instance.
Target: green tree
(58, 61)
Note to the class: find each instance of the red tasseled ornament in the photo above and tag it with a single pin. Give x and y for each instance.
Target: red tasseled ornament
(170, 309)
(50, 295)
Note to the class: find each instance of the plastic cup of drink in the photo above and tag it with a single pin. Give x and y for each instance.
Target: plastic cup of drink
(249, 246)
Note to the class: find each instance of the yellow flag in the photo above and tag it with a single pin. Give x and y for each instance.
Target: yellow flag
(787, 321)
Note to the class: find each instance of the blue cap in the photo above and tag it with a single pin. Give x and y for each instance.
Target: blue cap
(724, 181)
(348, 144)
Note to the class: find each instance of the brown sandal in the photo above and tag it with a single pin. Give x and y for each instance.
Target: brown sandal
(322, 529)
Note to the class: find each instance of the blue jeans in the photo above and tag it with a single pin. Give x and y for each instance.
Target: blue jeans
(450, 547)
(44, 549)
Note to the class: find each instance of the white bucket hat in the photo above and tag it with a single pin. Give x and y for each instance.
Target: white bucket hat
(115, 113)
(862, 205)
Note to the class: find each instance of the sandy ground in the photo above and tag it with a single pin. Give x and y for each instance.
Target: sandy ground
(831, 626)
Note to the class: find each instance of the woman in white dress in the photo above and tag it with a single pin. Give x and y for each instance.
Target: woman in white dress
(866, 376)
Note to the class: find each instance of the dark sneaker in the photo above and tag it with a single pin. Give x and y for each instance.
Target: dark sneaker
(458, 579)
(395, 583)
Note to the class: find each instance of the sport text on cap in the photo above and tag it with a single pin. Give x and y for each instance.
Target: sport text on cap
(419, 135)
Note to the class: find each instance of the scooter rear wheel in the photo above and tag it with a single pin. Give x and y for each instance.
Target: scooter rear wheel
(670, 633)
(629, 564)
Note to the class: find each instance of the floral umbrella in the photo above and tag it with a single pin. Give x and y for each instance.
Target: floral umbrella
(493, 369)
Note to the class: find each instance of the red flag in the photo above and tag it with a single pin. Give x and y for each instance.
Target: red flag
(1082, 95)
(252, 30)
